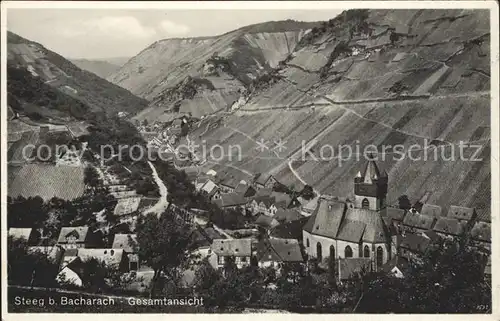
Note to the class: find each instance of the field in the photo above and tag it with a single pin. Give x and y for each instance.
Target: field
(388, 124)
(48, 181)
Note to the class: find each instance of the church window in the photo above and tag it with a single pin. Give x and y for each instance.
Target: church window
(307, 242)
(365, 203)
(380, 256)
(348, 251)
(366, 251)
(332, 252)
(319, 252)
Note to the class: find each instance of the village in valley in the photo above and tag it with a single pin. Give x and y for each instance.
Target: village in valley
(266, 224)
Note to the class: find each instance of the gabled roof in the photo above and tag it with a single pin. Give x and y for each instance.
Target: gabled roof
(414, 242)
(481, 232)
(418, 220)
(231, 199)
(348, 267)
(393, 213)
(53, 253)
(264, 192)
(374, 226)
(351, 231)
(127, 242)
(450, 226)
(80, 232)
(209, 186)
(461, 213)
(279, 250)
(326, 219)
(266, 221)
(291, 229)
(20, 233)
(287, 215)
(282, 199)
(431, 210)
(400, 262)
(109, 256)
(232, 247)
(266, 200)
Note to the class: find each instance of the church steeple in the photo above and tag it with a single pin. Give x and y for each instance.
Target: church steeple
(370, 187)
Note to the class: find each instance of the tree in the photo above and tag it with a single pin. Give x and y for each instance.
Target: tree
(163, 242)
(404, 202)
(91, 177)
(307, 192)
(26, 212)
(450, 280)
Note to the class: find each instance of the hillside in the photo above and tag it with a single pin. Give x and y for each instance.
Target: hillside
(101, 68)
(229, 62)
(55, 71)
(378, 77)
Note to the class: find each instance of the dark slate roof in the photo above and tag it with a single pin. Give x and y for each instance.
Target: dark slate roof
(351, 231)
(371, 172)
(326, 219)
(231, 199)
(481, 232)
(279, 250)
(232, 247)
(267, 200)
(374, 226)
(290, 230)
(431, 210)
(461, 213)
(418, 220)
(348, 267)
(449, 226)
(264, 192)
(287, 215)
(266, 221)
(415, 242)
(396, 214)
(400, 262)
(79, 232)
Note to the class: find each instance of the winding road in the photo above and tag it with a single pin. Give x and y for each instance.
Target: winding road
(162, 203)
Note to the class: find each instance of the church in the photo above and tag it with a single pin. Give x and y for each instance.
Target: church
(353, 229)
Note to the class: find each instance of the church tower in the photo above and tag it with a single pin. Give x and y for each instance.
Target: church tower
(370, 187)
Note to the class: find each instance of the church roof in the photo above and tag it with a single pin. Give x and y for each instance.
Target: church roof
(326, 220)
(351, 231)
(371, 172)
(374, 231)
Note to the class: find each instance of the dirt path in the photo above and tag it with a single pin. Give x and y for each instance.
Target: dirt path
(162, 203)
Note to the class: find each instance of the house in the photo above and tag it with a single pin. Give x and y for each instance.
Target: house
(128, 243)
(352, 229)
(415, 222)
(276, 252)
(449, 227)
(211, 188)
(397, 267)
(74, 237)
(290, 230)
(31, 236)
(53, 253)
(431, 210)
(413, 246)
(396, 215)
(283, 200)
(462, 213)
(232, 201)
(287, 215)
(264, 205)
(71, 272)
(266, 222)
(238, 249)
(245, 189)
(351, 267)
(480, 235)
(112, 258)
(264, 181)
